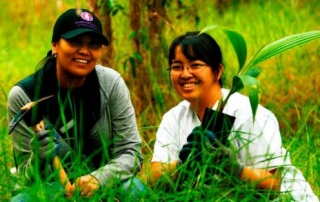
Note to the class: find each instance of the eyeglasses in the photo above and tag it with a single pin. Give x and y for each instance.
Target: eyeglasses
(178, 68)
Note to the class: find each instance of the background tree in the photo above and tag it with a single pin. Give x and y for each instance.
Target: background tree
(103, 9)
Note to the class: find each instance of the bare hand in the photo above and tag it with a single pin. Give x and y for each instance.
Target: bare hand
(86, 185)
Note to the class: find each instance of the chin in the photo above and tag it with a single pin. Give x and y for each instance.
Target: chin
(81, 72)
(190, 97)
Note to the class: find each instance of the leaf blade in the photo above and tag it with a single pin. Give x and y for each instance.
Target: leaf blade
(252, 86)
(237, 41)
(282, 45)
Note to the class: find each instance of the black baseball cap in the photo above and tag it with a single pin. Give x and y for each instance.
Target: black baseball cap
(74, 22)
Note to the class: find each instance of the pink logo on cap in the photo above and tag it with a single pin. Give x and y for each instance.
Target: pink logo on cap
(86, 16)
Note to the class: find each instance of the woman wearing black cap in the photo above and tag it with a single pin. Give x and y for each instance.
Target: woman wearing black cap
(89, 122)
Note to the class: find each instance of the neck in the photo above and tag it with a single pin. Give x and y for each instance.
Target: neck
(70, 81)
(208, 101)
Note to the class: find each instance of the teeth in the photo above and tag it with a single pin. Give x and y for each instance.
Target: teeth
(188, 85)
(81, 61)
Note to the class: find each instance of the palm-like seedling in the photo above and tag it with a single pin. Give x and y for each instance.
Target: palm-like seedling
(248, 72)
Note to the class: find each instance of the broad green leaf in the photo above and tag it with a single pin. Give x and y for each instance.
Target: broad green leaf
(237, 41)
(237, 85)
(252, 86)
(239, 46)
(282, 45)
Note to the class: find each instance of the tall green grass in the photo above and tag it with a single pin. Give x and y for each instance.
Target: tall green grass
(290, 85)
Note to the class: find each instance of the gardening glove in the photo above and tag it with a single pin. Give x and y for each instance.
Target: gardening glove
(45, 144)
(203, 148)
(194, 150)
(191, 147)
(197, 159)
(224, 158)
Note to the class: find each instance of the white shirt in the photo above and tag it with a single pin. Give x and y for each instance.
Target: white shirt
(258, 142)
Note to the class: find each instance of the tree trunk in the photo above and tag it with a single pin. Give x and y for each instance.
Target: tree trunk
(157, 18)
(108, 52)
(139, 79)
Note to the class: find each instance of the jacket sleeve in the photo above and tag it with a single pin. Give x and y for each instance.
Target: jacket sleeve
(21, 135)
(126, 151)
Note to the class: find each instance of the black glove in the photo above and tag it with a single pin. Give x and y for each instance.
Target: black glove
(45, 144)
(194, 154)
(204, 149)
(224, 159)
(195, 158)
(193, 148)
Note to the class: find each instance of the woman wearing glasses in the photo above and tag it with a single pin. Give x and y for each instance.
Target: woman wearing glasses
(255, 155)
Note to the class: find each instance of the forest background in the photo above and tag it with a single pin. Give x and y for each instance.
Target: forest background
(140, 33)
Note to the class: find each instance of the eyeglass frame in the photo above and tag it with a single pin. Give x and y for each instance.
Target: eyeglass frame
(194, 67)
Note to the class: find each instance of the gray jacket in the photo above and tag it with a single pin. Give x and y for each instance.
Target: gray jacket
(117, 123)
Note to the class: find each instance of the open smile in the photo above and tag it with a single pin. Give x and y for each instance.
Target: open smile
(82, 61)
(189, 86)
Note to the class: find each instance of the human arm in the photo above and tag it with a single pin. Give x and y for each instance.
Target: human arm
(160, 170)
(165, 160)
(86, 185)
(262, 151)
(259, 146)
(203, 147)
(262, 178)
(120, 126)
(34, 149)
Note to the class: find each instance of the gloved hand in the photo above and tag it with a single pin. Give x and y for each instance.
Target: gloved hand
(192, 149)
(204, 149)
(45, 144)
(194, 152)
(224, 158)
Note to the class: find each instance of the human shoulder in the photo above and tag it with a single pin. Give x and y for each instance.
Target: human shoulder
(180, 110)
(108, 77)
(182, 106)
(16, 92)
(17, 98)
(106, 72)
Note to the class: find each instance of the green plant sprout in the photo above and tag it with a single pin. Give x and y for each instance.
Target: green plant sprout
(248, 72)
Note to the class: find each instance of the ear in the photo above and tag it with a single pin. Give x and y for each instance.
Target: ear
(54, 47)
(220, 71)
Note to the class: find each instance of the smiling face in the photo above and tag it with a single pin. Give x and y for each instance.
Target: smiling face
(76, 58)
(199, 86)
(195, 61)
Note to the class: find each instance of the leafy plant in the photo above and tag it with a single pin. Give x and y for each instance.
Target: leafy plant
(113, 6)
(249, 71)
